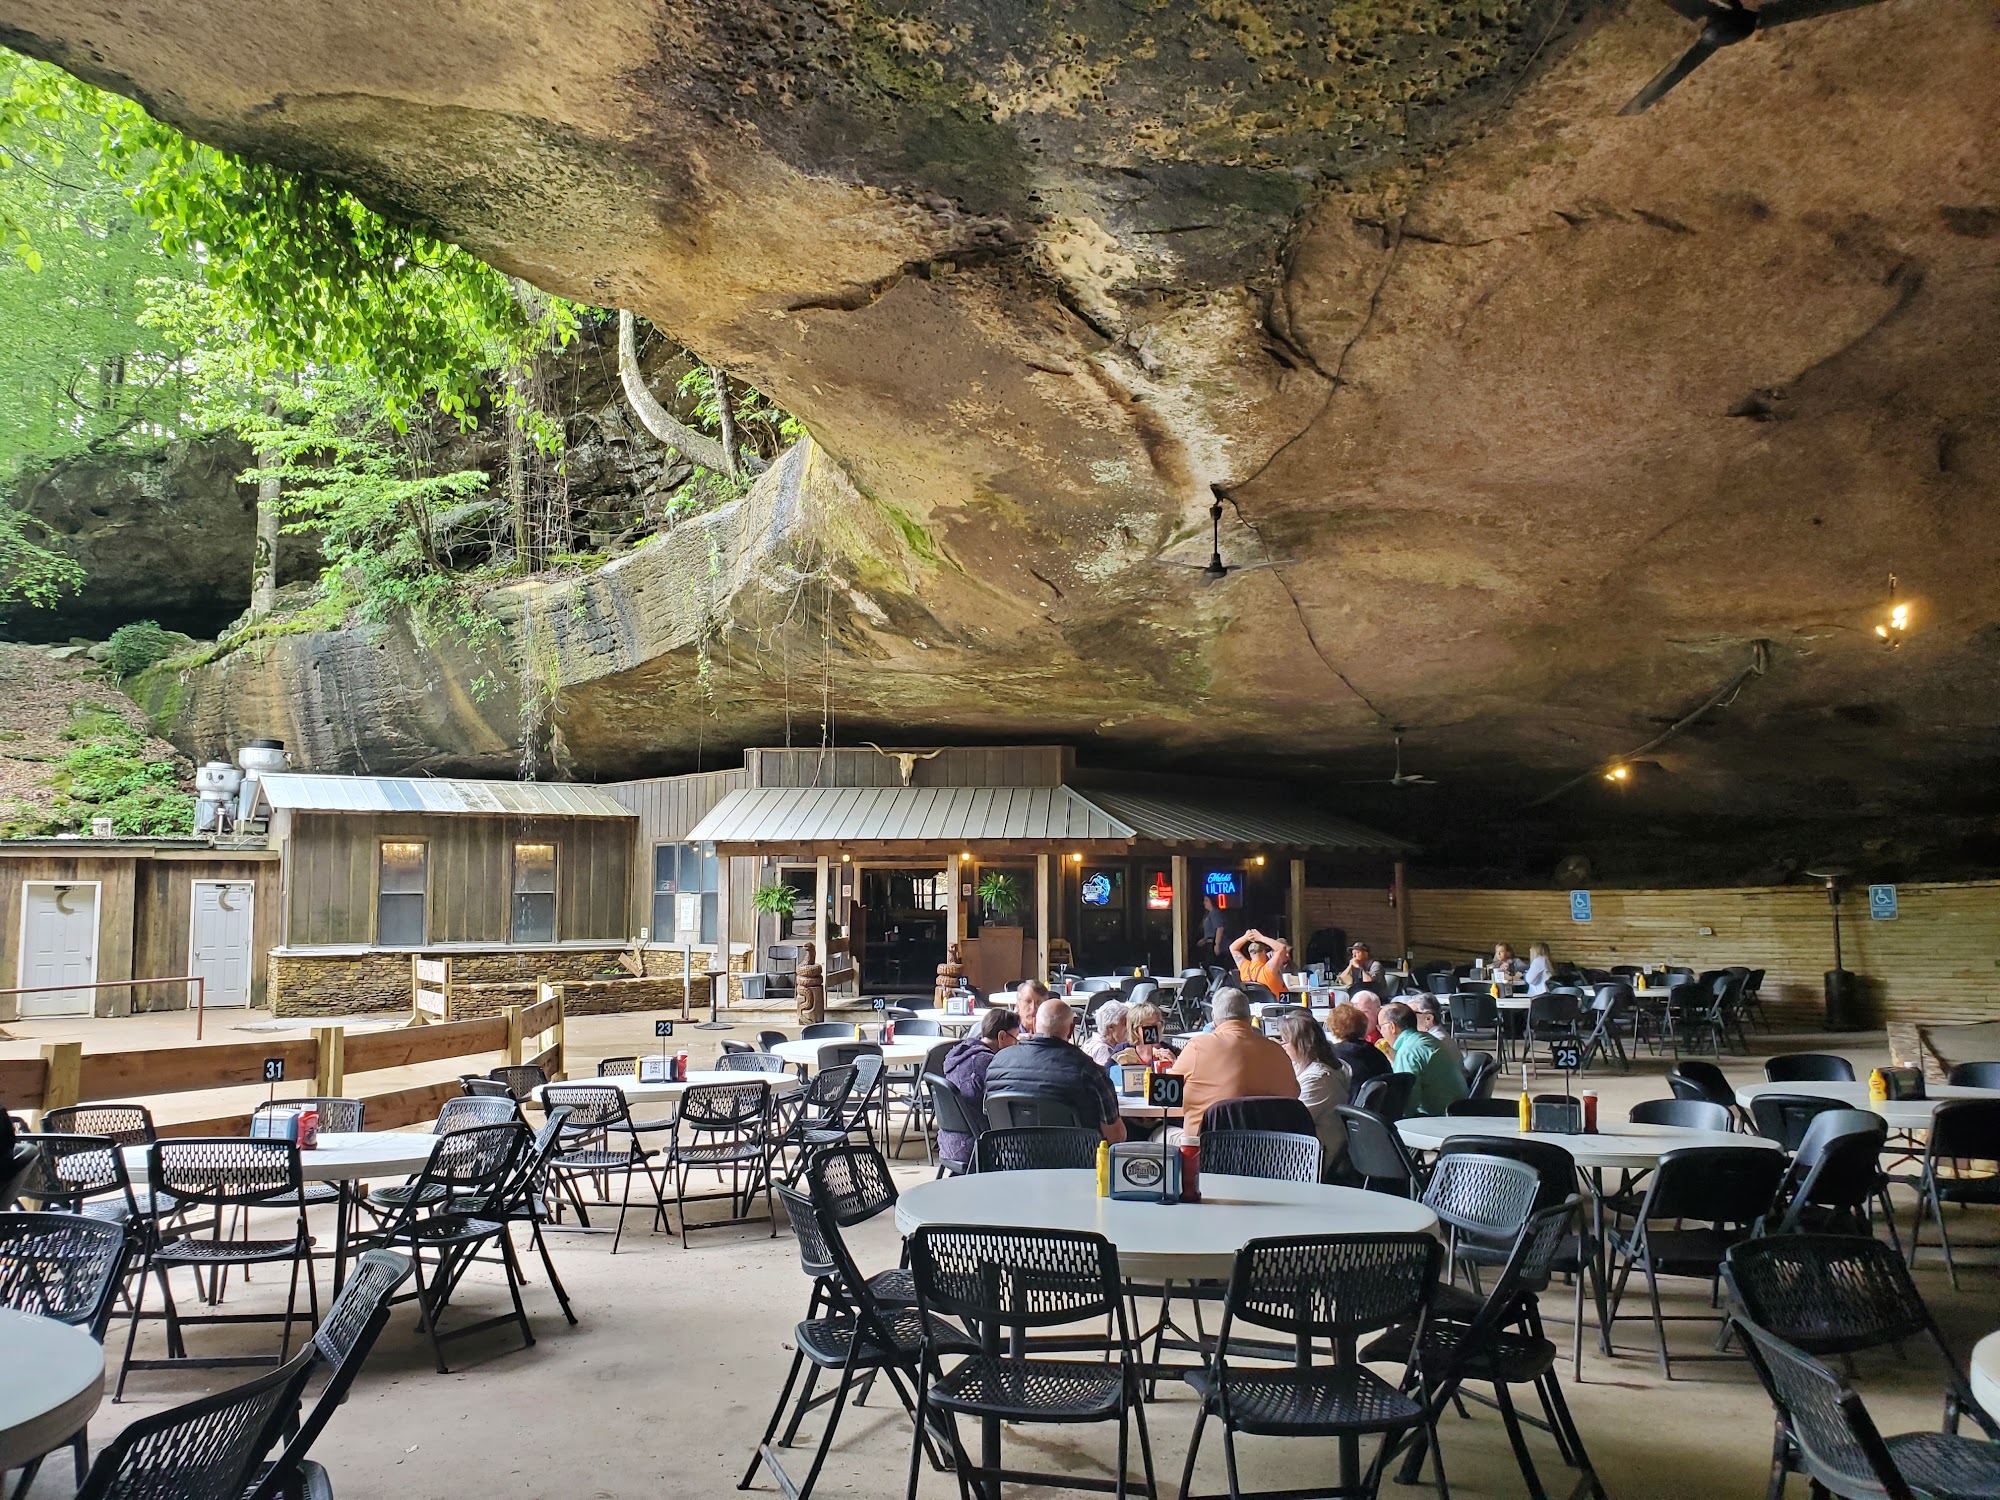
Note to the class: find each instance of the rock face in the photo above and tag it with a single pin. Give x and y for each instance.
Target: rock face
(1553, 415)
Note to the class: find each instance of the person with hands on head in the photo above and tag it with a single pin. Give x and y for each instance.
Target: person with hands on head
(1261, 959)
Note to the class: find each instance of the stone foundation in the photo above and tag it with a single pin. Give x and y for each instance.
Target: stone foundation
(340, 984)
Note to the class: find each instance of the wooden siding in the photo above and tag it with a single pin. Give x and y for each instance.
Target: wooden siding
(116, 874)
(668, 806)
(968, 765)
(1938, 961)
(331, 875)
(164, 907)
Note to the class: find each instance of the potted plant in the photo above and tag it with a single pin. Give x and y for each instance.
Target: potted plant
(776, 899)
(1001, 894)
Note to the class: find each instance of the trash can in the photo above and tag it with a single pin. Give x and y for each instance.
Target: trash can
(1843, 1001)
(753, 986)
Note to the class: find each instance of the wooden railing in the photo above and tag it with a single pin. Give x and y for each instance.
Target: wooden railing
(65, 1074)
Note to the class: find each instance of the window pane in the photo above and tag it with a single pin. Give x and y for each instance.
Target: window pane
(534, 917)
(663, 916)
(403, 869)
(666, 867)
(399, 921)
(535, 869)
(708, 906)
(707, 862)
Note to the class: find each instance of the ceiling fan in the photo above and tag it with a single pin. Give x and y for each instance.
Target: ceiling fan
(1723, 24)
(1399, 779)
(1215, 569)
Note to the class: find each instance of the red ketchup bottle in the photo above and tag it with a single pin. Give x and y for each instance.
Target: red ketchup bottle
(1190, 1173)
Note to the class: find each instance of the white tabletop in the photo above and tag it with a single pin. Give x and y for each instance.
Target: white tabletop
(341, 1156)
(894, 1054)
(1902, 1114)
(1616, 1144)
(649, 1093)
(51, 1380)
(946, 1018)
(1985, 1374)
(1180, 1240)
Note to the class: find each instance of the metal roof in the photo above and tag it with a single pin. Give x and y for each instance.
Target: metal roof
(1166, 819)
(905, 814)
(427, 794)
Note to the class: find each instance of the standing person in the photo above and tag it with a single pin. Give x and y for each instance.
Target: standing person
(1028, 996)
(1231, 1061)
(1111, 1035)
(1363, 968)
(1541, 969)
(1214, 930)
(1322, 1079)
(1047, 1064)
(1350, 1028)
(965, 1069)
(1440, 1081)
(1261, 960)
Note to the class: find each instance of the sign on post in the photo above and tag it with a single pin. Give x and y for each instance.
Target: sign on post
(1882, 903)
(1165, 1090)
(1567, 1056)
(274, 1070)
(1579, 906)
(663, 1028)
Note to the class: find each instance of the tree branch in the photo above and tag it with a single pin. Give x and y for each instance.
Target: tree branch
(694, 446)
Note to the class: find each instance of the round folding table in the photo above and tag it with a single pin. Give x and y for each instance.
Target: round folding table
(894, 1054)
(636, 1092)
(1985, 1373)
(1901, 1114)
(341, 1156)
(51, 1381)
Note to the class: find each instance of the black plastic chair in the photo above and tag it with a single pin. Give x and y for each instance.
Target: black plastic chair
(66, 1267)
(1838, 1445)
(127, 1124)
(1376, 1153)
(476, 1087)
(85, 1174)
(618, 1067)
(456, 1211)
(1015, 1109)
(1482, 1072)
(598, 1140)
(1610, 1010)
(724, 1128)
(1836, 1179)
(769, 1041)
(1962, 1131)
(1785, 1118)
(844, 1031)
(750, 1062)
(222, 1173)
(1687, 1114)
(1975, 1075)
(1281, 1155)
(954, 1117)
(341, 1343)
(1038, 1148)
(522, 1079)
(1483, 1202)
(1483, 1109)
(1259, 1112)
(1387, 1096)
(1833, 1295)
(1808, 1067)
(815, 1116)
(1700, 1201)
(204, 1450)
(1475, 1016)
(1006, 1284)
(1691, 1078)
(1321, 1292)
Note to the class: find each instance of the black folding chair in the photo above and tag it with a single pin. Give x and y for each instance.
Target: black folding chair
(1683, 1114)
(1319, 1292)
(724, 1128)
(1785, 1118)
(1274, 1154)
(1012, 1109)
(1036, 1148)
(1835, 1180)
(204, 1450)
(1808, 1067)
(954, 1117)
(600, 1138)
(1962, 1131)
(1376, 1153)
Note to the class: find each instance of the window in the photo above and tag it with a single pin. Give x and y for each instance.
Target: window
(399, 899)
(682, 870)
(533, 919)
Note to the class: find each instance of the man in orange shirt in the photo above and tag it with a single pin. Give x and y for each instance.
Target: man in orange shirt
(1261, 960)
(1230, 1062)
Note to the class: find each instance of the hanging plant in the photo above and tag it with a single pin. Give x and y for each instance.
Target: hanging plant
(778, 899)
(1001, 894)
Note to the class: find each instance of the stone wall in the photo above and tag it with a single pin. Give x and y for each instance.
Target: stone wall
(339, 984)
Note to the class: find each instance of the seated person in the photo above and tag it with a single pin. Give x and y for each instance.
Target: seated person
(1541, 969)
(965, 1069)
(1349, 1029)
(1362, 969)
(1110, 1038)
(1370, 1005)
(1431, 1024)
(1047, 1064)
(1028, 995)
(1505, 965)
(1230, 1062)
(1139, 1020)
(1440, 1080)
(1261, 960)
(1322, 1079)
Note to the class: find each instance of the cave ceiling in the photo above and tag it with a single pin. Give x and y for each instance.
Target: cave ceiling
(1553, 415)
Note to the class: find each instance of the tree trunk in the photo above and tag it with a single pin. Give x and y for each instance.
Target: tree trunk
(264, 557)
(695, 447)
(517, 477)
(726, 416)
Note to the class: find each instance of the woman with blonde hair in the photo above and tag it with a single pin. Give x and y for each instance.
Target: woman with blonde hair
(1137, 1048)
(1322, 1079)
(1541, 969)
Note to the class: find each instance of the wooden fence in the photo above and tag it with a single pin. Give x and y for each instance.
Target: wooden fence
(65, 1074)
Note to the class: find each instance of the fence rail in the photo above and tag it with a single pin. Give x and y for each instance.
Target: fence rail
(200, 991)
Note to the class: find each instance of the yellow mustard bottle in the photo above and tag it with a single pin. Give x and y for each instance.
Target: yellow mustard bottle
(1878, 1087)
(1104, 1169)
(1527, 1105)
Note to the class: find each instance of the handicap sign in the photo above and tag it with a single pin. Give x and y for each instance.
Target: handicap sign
(1882, 902)
(1579, 906)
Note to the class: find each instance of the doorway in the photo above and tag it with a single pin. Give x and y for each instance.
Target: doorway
(219, 941)
(900, 927)
(58, 946)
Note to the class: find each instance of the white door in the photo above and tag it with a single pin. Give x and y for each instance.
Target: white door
(219, 940)
(58, 946)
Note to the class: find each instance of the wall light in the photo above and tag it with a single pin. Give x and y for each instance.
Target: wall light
(1890, 631)
(1076, 858)
(1258, 860)
(1618, 773)
(966, 856)
(845, 858)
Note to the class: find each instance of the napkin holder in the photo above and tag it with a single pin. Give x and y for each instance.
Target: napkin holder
(1145, 1172)
(1555, 1114)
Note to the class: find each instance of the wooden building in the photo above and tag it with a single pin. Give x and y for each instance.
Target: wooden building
(81, 914)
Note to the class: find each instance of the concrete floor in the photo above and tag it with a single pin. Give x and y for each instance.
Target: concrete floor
(664, 1386)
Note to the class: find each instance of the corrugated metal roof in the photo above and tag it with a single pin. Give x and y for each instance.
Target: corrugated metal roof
(428, 794)
(1186, 820)
(790, 815)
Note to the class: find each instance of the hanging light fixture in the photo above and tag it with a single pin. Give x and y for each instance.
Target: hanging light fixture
(1618, 773)
(1895, 622)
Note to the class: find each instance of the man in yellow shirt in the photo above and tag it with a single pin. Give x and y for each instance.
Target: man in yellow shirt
(1261, 960)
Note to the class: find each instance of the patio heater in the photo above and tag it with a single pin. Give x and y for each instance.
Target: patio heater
(1843, 990)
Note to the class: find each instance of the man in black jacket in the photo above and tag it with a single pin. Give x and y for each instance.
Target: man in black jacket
(1048, 1064)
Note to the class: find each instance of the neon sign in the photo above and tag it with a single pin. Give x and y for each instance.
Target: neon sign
(1219, 883)
(1160, 894)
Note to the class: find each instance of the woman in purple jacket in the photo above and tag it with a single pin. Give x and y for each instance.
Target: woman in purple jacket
(965, 1069)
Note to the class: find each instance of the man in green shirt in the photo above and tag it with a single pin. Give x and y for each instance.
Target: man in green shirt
(1440, 1079)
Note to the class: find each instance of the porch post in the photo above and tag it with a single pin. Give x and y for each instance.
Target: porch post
(1042, 918)
(723, 932)
(953, 912)
(1295, 912)
(1178, 876)
(1401, 889)
(820, 894)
